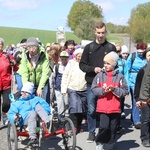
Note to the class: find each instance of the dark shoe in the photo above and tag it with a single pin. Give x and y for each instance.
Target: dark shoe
(123, 115)
(137, 126)
(120, 130)
(79, 129)
(47, 125)
(32, 141)
(146, 144)
(91, 138)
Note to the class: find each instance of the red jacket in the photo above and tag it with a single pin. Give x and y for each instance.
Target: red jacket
(6, 70)
(110, 102)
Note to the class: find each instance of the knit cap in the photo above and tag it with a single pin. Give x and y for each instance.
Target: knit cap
(28, 87)
(77, 51)
(124, 49)
(32, 41)
(111, 58)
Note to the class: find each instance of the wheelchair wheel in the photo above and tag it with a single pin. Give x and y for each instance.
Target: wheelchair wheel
(69, 137)
(12, 137)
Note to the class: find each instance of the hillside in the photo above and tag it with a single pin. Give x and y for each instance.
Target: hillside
(14, 35)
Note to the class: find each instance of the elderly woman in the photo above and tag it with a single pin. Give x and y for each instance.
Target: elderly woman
(7, 62)
(73, 83)
(35, 68)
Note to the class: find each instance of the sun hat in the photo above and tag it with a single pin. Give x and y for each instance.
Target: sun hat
(111, 58)
(28, 87)
(64, 54)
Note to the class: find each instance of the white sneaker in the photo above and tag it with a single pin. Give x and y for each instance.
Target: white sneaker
(5, 119)
(99, 146)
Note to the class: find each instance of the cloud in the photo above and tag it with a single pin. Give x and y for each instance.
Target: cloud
(20, 5)
(120, 1)
(106, 6)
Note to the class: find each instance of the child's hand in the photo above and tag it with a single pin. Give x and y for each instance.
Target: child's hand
(106, 90)
(109, 89)
(17, 116)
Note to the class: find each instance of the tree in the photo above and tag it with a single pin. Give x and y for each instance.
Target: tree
(83, 13)
(110, 27)
(139, 23)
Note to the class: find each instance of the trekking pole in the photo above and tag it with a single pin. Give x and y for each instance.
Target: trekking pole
(12, 77)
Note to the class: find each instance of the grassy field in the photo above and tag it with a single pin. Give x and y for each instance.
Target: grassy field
(14, 35)
(116, 38)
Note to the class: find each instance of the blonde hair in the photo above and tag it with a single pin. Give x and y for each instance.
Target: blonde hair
(54, 52)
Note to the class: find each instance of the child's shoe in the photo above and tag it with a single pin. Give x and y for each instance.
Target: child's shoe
(4, 119)
(99, 146)
(32, 141)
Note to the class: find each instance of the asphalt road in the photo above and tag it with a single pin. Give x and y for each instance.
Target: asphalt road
(129, 140)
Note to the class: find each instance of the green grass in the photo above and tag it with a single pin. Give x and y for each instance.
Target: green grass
(15, 35)
(116, 38)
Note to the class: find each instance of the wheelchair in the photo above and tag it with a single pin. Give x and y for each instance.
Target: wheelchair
(59, 124)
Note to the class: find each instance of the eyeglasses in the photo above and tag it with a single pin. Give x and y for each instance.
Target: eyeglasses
(25, 93)
(32, 47)
(125, 53)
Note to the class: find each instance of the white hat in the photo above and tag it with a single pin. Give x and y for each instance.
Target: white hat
(78, 50)
(28, 87)
(111, 58)
(124, 49)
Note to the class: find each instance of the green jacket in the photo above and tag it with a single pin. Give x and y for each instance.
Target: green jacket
(38, 75)
(145, 86)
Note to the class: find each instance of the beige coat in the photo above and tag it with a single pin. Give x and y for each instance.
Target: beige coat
(73, 77)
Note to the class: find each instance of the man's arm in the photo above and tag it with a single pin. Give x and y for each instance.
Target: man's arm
(145, 86)
(84, 63)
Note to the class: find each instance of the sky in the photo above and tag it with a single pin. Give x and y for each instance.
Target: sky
(51, 14)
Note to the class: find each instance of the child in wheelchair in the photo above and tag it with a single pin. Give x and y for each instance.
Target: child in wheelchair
(28, 106)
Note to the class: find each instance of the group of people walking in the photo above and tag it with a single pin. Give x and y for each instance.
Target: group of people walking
(92, 82)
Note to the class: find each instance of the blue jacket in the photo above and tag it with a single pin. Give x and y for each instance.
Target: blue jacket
(24, 106)
(132, 71)
(121, 65)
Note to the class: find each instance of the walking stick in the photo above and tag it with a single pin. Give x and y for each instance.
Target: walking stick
(12, 78)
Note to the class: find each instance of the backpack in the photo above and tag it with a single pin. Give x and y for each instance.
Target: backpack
(92, 46)
(56, 70)
(7, 56)
(132, 60)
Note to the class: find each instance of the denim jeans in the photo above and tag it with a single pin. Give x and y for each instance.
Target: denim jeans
(19, 81)
(145, 124)
(46, 93)
(135, 110)
(91, 112)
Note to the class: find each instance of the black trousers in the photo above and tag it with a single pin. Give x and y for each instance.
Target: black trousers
(145, 124)
(76, 119)
(4, 100)
(107, 129)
